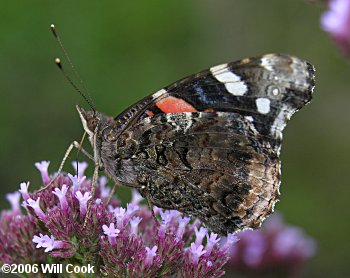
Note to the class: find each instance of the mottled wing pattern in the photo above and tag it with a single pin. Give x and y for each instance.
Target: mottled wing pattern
(212, 165)
(208, 145)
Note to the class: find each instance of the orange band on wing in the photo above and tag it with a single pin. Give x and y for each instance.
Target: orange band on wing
(174, 105)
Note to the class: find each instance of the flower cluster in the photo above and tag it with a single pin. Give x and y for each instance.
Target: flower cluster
(64, 221)
(275, 250)
(336, 21)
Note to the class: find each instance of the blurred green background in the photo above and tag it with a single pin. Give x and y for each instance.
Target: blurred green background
(125, 50)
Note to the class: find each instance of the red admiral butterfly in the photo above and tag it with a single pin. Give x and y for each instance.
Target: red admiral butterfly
(207, 145)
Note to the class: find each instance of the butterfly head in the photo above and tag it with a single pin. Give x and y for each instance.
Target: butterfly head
(94, 123)
(90, 121)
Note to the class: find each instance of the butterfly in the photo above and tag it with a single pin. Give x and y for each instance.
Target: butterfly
(207, 145)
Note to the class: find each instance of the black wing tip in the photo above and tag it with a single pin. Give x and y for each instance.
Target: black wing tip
(311, 71)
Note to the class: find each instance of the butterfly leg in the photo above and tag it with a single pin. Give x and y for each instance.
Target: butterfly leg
(93, 187)
(152, 211)
(112, 193)
(76, 145)
(71, 146)
(80, 148)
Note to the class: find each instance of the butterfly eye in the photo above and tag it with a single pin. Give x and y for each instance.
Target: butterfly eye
(92, 124)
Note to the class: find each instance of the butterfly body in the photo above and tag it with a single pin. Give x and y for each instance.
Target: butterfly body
(207, 145)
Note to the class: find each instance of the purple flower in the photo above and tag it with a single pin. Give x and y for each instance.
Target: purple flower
(132, 208)
(136, 197)
(166, 218)
(43, 168)
(212, 240)
(196, 252)
(230, 240)
(120, 215)
(105, 191)
(77, 181)
(183, 221)
(35, 205)
(48, 242)
(132, 244)
(61, 194)
(111, 232)
(83, 199)
(275, 248)
(24, 190)
(254, 252)
(134, 222)
(44, 241)
(336, 21)
(14, 198)
(150, 254)
(81, 168)
(41, 240)
(16, 232)
(200, 234)
(291, 241)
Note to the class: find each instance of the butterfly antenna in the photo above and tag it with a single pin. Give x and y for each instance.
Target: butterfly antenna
(88, 100)
(84, 94)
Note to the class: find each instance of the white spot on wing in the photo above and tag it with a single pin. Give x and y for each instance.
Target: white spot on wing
(263, 105)
(237, 89)
(147, 120)
(159, 93)
(268, 61)
(275, 91)
(227, 76)
(232, 81)
(218, 68)
(249, 118)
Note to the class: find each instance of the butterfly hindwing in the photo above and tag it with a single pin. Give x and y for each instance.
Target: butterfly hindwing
(210, 165)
